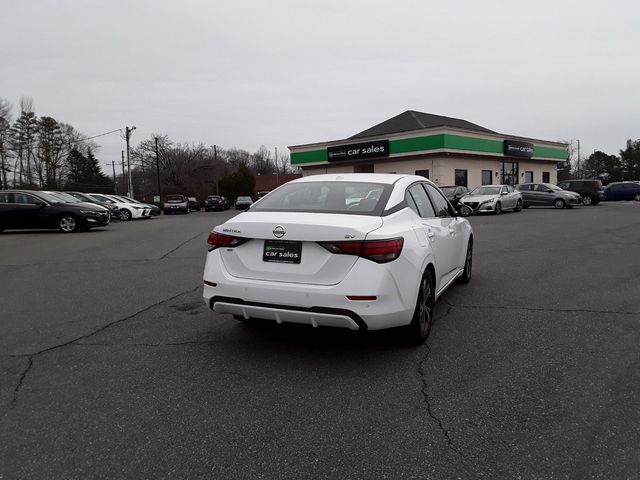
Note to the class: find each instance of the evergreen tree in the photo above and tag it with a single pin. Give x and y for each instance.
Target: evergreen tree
(84, 173)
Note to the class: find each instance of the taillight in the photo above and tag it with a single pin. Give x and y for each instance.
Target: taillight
(217, 240)
(379, 251)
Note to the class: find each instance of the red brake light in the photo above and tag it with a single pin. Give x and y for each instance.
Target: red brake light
(217, 240)
(379, 251)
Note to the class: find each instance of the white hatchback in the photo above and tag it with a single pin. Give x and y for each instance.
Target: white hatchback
(358, 251)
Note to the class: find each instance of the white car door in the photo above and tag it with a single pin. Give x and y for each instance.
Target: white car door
(432, 234)
(449, 233)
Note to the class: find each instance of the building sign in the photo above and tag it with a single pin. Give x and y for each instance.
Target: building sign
(518, 149)
(357, 151)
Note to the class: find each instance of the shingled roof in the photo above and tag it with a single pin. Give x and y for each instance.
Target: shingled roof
(412, 120)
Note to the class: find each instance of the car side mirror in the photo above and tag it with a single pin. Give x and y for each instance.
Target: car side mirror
(464, 211)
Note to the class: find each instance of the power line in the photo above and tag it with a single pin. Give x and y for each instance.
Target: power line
(96, 136)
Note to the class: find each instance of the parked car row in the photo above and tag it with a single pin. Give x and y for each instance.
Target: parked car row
(567, 194)
(67, 211)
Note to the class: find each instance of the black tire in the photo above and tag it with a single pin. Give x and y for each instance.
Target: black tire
(588, 200)
(558, 203)
(498, 209)
(468, 263)
(519, 206)
(525, 206)
(68, 223)
(595, 202)
(124, 215)
(420, 326)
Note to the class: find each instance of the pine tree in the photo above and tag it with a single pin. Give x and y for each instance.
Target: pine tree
(84, 173)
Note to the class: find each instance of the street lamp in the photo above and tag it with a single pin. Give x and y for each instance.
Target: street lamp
(128, 131)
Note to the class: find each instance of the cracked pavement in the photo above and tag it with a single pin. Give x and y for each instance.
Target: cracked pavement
(111, 366)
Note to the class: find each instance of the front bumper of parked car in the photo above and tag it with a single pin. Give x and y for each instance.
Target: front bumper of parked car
(480, 207)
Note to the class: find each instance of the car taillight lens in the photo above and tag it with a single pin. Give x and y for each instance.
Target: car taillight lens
(379, 251)
(216, 240)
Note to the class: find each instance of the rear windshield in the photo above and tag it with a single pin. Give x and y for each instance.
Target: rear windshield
(175, 199)
(356, 198)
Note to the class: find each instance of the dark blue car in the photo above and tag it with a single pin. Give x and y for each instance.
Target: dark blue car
(622, 191)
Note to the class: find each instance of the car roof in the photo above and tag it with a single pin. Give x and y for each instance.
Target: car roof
(388, 178)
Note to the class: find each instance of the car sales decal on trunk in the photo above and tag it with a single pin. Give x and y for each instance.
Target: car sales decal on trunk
(282, 251)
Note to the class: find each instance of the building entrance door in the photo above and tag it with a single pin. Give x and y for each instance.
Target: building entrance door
(510, 173)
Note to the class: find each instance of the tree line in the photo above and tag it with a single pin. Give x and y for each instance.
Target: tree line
(44, 153)
(606, 167)
(197, 169)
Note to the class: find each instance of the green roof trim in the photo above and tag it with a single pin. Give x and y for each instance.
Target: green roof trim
(416, 144)
(549, 152)
(460, 142)
(312, 156)
(435, 142)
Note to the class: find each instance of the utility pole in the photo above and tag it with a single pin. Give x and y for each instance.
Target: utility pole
(113, 166)
(215, 159)
(158, 170)
(277, 169)
(127, 135)
(578, 165)
(124, 177)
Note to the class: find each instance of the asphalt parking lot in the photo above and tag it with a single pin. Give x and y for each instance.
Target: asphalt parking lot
(112, 367)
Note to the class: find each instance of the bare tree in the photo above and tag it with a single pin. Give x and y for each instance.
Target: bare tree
(5, 124)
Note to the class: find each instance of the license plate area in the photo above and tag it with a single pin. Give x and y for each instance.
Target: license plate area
(282, 251)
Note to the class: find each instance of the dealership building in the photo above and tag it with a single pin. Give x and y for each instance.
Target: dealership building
(449, 151)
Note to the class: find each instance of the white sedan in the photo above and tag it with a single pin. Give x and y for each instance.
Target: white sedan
(493, 199)
(126, 210)
(307, 254)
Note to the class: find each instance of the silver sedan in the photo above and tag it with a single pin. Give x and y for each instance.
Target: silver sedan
(493, 199)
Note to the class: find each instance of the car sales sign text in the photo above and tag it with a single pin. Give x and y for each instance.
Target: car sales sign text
(518, 149)
(357, 151)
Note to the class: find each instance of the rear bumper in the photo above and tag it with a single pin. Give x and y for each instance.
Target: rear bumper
(315, 316)
(316, 305)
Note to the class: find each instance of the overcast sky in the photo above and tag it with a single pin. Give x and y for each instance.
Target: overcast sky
(246, 73)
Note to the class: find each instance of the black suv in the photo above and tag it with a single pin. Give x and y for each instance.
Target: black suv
(590, 190)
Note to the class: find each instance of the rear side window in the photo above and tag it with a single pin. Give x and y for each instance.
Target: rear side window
(524, 188)
(357, 198)
(439, 201)
(4, 197)
(421, 200)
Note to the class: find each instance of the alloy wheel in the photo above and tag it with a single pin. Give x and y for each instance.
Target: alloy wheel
(587, 200)
(68, 224)
(498, 208)
(424, 306)
(636, 197)
(124, 215)
(558, 203)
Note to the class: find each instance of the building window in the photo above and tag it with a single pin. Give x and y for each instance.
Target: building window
(368, 168)
(545, 177)
(487, 177)
(423, 173)
(461, 178)
(528, 177)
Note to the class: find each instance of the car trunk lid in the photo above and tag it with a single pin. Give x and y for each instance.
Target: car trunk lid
(271, 253)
